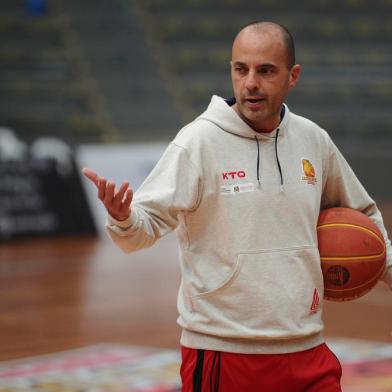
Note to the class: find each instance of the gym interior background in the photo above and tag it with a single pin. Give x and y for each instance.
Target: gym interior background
(109, 84)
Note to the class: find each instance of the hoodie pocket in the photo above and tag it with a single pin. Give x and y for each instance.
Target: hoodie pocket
(270, 293)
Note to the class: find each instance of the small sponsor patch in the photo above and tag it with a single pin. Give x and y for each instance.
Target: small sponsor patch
(233, 174)
(237, 188)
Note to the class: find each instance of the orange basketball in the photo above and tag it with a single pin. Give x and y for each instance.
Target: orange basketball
(352, 251)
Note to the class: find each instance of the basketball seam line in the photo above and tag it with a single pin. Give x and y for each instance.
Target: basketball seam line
(360, 258)
(372, 233)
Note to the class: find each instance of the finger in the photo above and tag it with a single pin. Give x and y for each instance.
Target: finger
(118, 197)
(127, 201)
(109, 194)
(101, 188)
(91, 175)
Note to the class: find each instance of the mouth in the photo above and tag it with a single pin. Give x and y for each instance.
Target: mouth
(254, 102)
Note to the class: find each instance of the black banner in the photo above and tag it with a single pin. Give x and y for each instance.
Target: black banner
(40, 197)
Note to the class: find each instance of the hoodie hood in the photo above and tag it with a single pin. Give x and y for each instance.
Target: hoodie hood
(220, 113)
(225, 117)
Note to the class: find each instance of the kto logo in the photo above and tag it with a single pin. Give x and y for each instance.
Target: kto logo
(234, 174)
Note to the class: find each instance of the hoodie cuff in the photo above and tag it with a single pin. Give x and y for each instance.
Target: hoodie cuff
(123, 225)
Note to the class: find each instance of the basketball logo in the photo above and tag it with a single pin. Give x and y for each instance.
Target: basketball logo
(337, 275)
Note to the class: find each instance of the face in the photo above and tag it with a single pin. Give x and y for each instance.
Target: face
(261, 77)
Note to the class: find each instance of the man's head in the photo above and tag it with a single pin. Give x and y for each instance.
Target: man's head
(263, 70)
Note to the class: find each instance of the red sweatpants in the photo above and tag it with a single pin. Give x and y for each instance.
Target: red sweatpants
(314, 370)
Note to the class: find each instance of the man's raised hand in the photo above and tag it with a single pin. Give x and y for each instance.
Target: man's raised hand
(118, 202)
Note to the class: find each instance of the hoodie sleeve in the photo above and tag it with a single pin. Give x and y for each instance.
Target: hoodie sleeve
(343, 189)
(172, 187)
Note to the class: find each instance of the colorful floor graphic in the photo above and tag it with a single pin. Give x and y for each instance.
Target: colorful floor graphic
(101, 368)
(367, 367)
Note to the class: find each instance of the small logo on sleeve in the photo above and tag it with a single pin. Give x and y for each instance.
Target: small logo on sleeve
(309, 172)
(316, 302)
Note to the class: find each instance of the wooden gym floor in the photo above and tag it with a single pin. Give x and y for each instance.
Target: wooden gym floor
(63, 293)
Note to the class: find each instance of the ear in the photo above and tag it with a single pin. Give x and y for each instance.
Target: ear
(294, 75)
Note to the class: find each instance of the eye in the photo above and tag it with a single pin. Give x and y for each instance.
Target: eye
(240, 69)
(267, 70)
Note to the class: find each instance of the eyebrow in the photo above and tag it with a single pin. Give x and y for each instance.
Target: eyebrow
(265, 65)
(239, 63)
(269, 66)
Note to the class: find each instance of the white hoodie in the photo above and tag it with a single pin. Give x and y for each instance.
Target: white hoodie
(245, 206)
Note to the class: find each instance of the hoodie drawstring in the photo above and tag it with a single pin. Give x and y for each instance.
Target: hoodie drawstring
(277, 160)
(258, 161)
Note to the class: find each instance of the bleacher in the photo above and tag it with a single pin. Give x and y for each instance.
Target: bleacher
(45, 88)
(344, 47)
(129, 70)
(134, 91)
(81, 72)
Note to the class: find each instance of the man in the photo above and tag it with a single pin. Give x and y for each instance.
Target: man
(233, 184)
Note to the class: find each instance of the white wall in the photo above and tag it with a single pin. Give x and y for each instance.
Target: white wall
(131, 162)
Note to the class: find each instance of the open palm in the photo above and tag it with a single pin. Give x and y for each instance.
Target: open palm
(117, 202)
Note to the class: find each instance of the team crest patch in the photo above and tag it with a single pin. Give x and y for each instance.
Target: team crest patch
(309, 172)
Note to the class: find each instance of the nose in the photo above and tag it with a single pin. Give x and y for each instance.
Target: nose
(251, 82)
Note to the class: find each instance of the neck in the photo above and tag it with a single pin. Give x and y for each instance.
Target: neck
(259, 128)
(264, 130)
(267, 128)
